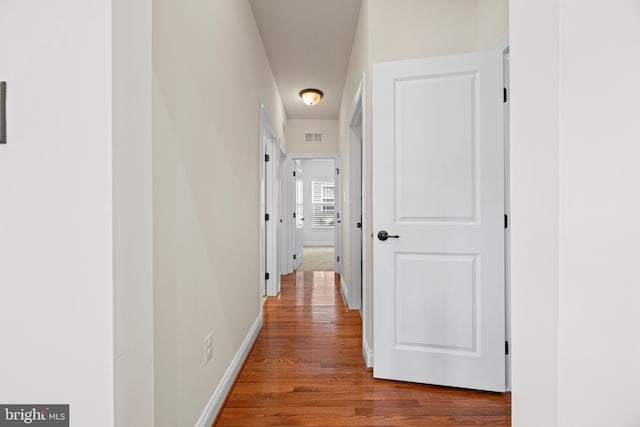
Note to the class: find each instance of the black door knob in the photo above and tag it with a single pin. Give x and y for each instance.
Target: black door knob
(383, 235)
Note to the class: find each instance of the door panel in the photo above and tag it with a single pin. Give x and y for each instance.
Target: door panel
(435, 181)
(438, 177)
(440, 317)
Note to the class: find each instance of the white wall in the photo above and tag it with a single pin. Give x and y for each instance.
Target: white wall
(405, 29)
(324, 170)
(534, 211)
(296, 142)
(210, 74)
(575, 239)
(493, 22)
(132, 207)
(56, 284)
(599, 214)
(359, 68)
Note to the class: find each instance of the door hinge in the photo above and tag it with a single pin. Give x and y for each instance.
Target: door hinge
(337, 171)
(294, 173)
(266, 217)
(338, 258)
(506, 347)
(294, 256)
(506, 221)
(266, 157)
(504, 94)
(294, 214)
(266, 276)
(3, 112)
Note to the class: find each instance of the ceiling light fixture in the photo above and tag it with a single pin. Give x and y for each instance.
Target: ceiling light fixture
(311, 96)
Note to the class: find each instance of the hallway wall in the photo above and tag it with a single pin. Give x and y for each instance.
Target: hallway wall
(210, 74)
(296, 130)
(56, 243)
(599, 214)
(132, 214)
(534, 53)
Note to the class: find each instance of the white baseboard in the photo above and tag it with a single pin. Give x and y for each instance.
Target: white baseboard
(224, 387)
(367, 353)
(344, 290)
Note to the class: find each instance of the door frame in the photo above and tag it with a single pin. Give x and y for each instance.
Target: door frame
(356, 203)
(297, 219)
(337, 244)
(507, 205)
(286, 205)
(358, 259)
(269, 181)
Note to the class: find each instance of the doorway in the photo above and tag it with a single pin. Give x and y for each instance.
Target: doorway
(316, 213)
(357, 227)
(270, 153)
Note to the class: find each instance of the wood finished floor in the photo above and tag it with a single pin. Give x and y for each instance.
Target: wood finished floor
(306, 369)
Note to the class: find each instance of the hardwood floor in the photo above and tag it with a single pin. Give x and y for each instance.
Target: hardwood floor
(306, 369)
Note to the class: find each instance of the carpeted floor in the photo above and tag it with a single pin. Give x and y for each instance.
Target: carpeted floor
(318, 259)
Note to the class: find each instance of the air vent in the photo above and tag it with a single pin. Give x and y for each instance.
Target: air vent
(312, 137)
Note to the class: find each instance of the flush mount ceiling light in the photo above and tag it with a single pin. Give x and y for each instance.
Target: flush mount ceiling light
(311, 96)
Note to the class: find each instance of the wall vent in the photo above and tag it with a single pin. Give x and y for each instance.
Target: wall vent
(312, 137)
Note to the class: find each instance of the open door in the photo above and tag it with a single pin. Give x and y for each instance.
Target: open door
(337, 229)
(438, 212)
(298, 203)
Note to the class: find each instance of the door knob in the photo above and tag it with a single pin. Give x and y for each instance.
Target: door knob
(383, 235)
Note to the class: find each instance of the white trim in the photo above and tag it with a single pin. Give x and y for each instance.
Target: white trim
(344, 291)
(503, 44)
(356, 144)
(367, 353)
(338, 203)
(286, 207)
(268, 260)
(507, 207)
(224, 387)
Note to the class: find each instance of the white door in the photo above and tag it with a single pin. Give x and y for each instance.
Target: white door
(438, 190)
(337, 235)
(298, 196)
(269, 235)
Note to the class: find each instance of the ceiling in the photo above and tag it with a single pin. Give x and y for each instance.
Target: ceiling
(308, 43)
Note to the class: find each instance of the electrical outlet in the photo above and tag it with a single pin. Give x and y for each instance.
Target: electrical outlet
(208, 347)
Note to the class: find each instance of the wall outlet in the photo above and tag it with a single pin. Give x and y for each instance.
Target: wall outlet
(208, 347)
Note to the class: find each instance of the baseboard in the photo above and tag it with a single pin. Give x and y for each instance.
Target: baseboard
(367, 353)
(224, 387)
(344, 290)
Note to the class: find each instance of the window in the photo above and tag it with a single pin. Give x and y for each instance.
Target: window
(323, 198)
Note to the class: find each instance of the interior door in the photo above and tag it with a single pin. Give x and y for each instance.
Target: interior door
(438, 217)
(337, 235)
(298, 192)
